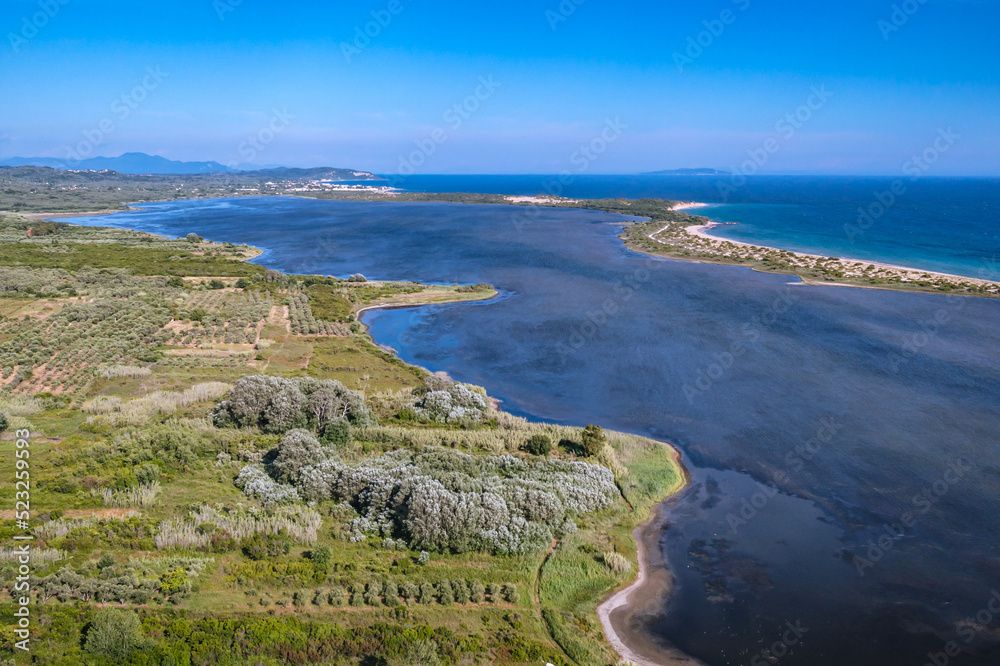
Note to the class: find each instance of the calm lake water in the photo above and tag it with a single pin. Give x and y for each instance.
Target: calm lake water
(821, 424)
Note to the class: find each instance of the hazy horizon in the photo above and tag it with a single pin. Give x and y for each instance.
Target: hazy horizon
(542, 87)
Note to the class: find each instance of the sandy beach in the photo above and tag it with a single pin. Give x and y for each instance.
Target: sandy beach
(907, 273)
(699, 245)
(685, 205)
(625, 613)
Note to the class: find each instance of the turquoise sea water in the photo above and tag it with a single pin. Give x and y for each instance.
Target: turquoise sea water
(951, 225)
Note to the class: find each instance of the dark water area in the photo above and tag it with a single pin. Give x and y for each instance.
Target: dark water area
(844, 444)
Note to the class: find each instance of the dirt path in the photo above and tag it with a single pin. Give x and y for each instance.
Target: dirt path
(538, 598)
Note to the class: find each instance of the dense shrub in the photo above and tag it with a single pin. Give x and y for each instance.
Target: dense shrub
(593, 440)
(539, 445)
(442, 500)
(277, 405)
(261, 546)
(477, 593)
(296, 450)
(115, 634)
(456, 404)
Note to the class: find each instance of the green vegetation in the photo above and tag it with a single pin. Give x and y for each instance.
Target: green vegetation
(210, 453)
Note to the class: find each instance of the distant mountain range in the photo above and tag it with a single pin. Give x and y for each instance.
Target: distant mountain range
(143, 164)
(686, 172)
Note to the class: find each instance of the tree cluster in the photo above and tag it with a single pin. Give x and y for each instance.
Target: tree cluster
(439, 499)
(277, 405)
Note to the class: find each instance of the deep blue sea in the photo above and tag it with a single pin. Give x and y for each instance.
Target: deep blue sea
(844, 444)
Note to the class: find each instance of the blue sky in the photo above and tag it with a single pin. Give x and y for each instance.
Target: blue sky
(230, 70)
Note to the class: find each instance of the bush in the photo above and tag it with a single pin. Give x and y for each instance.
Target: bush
(296, 450)
(438, 499)
(409, 591)
(4, 422)
(216, 283)
(456, 404)
(446, 595)
(390, 592)
(538, 445)
(373, 594)
(461, 591)
(115, 634)
(477, 593)
(357, 594)
(260, 546)
(417, 653)
(321, 557)
(426, 593)
(510, 593)
(277, 405)
(337, 433)
(593, 440)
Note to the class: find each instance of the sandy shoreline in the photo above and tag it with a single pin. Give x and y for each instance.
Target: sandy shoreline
(908, 273)
(624, 615)
(56, 216)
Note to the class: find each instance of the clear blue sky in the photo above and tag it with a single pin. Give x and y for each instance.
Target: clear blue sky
(892, 90)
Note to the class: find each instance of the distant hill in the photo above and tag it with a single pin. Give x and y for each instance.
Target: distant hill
(143, 164)
(686, 172)
(133, 163)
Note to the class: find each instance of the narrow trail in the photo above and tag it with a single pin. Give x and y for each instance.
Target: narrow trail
(538, 600)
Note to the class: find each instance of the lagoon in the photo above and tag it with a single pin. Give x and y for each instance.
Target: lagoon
(839, 416)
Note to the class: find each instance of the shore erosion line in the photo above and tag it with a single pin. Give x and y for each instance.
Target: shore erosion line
(624, 612)
(907, 273)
